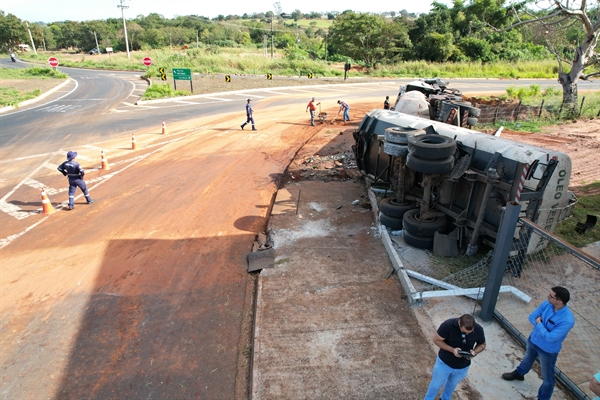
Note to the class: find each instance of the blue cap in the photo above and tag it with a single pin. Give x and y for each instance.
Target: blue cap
(71, 155)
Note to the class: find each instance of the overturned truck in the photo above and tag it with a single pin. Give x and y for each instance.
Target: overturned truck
(448, 181)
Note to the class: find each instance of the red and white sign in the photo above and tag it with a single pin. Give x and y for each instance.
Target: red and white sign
(147, 61)
(53, 61)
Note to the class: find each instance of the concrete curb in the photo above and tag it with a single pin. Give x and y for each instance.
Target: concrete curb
(40, 97)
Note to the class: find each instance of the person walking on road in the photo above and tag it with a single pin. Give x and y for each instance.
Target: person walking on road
(249, 118)
(75, 173)
(386, 103)
(312, 108)
(551, 321)
(345, 108)
(453, 336)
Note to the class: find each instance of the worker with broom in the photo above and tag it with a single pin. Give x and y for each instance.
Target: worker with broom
(343, 107)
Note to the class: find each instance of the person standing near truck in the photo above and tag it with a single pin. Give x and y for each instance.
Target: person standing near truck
(386, 103)
(312, 108)
(459, 339)
(551, 321)
(249, 118)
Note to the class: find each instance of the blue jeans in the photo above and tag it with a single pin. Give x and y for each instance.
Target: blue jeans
(445, 376)
(547, 362)
(346, 115)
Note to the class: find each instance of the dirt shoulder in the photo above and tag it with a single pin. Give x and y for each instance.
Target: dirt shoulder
(580, 140)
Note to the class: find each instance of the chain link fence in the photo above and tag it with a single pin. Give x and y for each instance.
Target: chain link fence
(527, 281)
(557, 264)
(551, 108)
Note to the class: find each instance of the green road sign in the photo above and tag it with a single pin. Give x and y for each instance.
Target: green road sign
(182, 74)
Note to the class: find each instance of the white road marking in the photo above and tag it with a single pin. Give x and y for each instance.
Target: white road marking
(272, 91)
(217, 98)
(10, 207)
(249, 95)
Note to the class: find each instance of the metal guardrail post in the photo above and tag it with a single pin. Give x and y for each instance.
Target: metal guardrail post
(506, 231)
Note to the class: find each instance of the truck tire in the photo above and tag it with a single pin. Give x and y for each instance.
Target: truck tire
(411, 223)
(391, 208)
(400, 135)
(424, 166)
(431, 147)
(398, 150)
(420, 242)
(390, 222)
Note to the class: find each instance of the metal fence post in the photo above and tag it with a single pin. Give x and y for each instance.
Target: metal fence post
(506, 231)
(581, 107)
(541, 109)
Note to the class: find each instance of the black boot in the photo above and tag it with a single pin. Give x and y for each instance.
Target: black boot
(513, 376)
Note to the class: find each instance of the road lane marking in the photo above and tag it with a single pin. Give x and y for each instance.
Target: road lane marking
(101, 180)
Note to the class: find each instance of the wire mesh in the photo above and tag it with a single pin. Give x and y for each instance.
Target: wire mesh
(535, 274)
(551, 108)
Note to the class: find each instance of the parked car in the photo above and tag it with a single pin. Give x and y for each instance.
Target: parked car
(95, 51)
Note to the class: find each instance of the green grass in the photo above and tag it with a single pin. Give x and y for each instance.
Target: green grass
(161, 91)
(250, 60)
(32, 72)
(587, 204)
(11, 95)
(318, 23)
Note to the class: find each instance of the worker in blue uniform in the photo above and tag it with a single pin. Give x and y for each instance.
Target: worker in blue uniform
(249, 118)
(75, 173)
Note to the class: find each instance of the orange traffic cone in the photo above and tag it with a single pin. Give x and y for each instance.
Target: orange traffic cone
(46, 205)
(164, 128)
(105, 165)
(133, 143)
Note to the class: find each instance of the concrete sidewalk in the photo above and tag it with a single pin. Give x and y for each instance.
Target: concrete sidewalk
(329, 323)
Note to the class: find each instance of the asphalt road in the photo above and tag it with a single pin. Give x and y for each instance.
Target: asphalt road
(144, 293)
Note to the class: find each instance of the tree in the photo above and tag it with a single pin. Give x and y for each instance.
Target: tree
(557, 20)
(367, 37)
(12, 31)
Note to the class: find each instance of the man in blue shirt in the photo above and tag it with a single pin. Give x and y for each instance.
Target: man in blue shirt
(551, 321)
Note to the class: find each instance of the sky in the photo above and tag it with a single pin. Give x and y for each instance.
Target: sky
(85, 10)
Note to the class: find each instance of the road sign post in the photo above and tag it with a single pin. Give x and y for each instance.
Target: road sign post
(53, 61)
(182, 74)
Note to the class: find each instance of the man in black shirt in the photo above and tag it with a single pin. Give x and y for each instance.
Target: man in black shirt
(453, 336)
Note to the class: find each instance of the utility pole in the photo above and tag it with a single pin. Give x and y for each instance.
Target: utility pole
(97, 47)
(326, 33)
(197, 34)
(121, 6)
(271, 37)
(30, 37)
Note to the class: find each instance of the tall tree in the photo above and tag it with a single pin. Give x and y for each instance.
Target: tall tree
(12, 31)
(557, 19)
(367, 37)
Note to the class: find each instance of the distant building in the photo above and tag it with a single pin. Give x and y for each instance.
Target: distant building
(23, 47)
